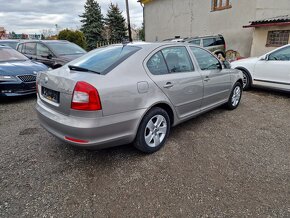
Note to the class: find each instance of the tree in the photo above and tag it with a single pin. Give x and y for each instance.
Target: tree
(115, 23)
(142, 33)
(93, 23)
(76, 37)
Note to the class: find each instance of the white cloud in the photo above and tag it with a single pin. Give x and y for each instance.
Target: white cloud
(30, 16)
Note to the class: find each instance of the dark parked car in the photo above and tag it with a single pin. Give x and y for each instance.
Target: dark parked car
(53, 53)
(17, 73)
(10, 42)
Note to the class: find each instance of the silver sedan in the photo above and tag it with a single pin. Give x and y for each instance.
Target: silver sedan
(133, 93)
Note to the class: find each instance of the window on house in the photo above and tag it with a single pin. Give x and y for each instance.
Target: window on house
(278, 38)
(220, 5)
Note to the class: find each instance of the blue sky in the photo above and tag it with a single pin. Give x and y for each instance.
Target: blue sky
(36, 16)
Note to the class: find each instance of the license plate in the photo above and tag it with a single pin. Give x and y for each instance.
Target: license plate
(50, 94)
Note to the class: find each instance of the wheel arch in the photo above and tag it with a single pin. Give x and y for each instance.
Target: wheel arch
(165, 106)
(246, 71)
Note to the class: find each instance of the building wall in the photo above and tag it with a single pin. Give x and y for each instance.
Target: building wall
(260, 39)
(272, 8)
(185, 18)
(169, 18)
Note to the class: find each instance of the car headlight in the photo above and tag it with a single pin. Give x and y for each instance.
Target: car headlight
(7, 78)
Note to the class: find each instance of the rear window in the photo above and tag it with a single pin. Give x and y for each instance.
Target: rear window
(103, 60)
(61, 48)
(9, 54)
(10, 44)
(208, 42)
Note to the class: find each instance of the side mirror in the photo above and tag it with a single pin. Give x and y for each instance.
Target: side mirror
(219, 66)
(48, 56)
(226, 64)
(264, 58)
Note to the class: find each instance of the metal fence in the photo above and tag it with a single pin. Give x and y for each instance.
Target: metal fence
(104, 43)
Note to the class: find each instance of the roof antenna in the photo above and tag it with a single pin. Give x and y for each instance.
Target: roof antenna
(125, 41)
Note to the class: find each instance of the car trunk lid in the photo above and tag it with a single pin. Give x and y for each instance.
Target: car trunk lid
(56, 87)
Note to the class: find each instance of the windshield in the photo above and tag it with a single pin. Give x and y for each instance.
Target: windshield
(61, 48)
(103, 60)
(10, 44)
(9, 54)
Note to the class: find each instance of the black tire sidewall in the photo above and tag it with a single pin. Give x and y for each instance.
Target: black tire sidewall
(247, 87)
(230, 106)
(140, 142)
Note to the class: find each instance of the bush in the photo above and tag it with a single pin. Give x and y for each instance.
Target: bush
(76, 37)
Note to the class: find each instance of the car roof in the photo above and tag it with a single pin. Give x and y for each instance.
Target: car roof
(10, 40)
(47, 41)
(154, 45)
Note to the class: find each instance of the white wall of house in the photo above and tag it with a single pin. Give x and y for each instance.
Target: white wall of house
(169, 18)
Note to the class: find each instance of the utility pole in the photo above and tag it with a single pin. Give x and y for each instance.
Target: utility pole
(128, 21)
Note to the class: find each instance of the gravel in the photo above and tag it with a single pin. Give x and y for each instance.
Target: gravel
(220, 164)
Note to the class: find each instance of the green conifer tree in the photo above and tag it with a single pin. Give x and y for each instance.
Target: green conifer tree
(93, 23)
(115, 23)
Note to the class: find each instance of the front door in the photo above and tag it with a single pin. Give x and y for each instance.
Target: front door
(172, 70)
(217, 82)
(275, 71)
(44, 55)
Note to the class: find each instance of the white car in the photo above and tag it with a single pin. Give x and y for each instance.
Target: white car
(271, 70)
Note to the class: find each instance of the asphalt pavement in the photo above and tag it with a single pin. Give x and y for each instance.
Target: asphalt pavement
(220, 164)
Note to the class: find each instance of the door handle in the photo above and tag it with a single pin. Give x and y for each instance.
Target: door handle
(206, 79)
(168, 85)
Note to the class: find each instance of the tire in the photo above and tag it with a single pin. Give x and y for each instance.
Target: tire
(153, 131)
(247, 80)
(235, 97)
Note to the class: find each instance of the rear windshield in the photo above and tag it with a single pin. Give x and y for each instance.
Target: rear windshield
(9, 54)
(10, 44)
(103, 60)
(66, 48)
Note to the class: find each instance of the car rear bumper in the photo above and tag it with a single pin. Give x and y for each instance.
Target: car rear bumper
(99, 132)
(8, 89)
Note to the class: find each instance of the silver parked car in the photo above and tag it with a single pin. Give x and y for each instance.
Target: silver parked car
(133, 93)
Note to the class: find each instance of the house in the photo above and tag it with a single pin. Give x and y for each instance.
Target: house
(185, 18)
(2, 33)
(269, 34)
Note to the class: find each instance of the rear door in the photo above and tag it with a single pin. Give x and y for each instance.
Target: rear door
(217, 82)
(172, 69)
(274, 72)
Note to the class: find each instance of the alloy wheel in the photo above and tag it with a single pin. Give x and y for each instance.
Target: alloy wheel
(236, 96)
(155, 131)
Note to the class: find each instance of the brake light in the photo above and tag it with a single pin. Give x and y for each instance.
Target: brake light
(85, 97)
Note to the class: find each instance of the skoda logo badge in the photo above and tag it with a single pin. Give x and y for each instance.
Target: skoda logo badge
(46, 79)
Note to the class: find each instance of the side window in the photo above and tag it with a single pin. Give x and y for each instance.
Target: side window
(195, 42)
(219, 41)
(280, 55)
(19, 48)
(206, 61)
(208, 42)
(157, 65)
(30, 48)
(177, 59)
(42, 50)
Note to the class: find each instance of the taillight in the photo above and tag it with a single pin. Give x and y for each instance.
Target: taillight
(85, 97)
